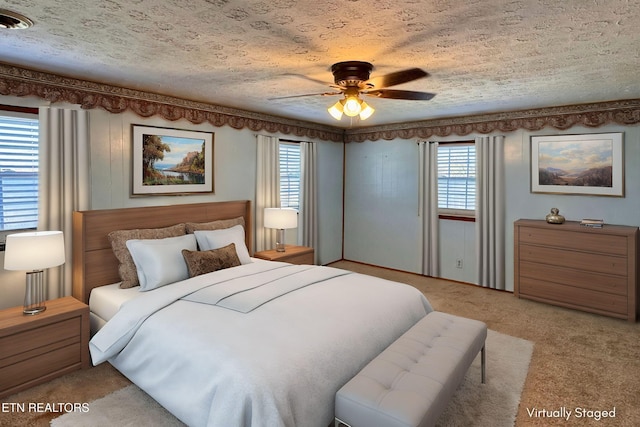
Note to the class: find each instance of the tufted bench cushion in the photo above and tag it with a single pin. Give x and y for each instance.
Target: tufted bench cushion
(411, 382)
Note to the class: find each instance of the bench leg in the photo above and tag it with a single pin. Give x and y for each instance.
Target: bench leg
(339, 423)
(483, 363)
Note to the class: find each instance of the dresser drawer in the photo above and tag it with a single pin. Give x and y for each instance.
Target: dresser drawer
(31, 340)
(570, 296)
(588, 241)
(589, 262)
(611, 284)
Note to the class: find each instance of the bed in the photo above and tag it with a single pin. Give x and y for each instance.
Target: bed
(259, 344)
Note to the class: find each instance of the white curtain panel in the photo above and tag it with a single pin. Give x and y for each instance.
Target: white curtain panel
(490, 216)
(267, 188)
(308, 224)
(64, 182)
(429, 208)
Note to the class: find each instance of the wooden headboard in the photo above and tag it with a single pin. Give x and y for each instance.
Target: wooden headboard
(94, 263)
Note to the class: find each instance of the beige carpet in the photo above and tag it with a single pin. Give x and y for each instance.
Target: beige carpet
(494, 403)
(580, 360)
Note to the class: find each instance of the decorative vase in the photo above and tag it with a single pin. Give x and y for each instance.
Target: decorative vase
(554, 217)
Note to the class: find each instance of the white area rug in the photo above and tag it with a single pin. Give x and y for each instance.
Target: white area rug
(494, 403)
(128, 406)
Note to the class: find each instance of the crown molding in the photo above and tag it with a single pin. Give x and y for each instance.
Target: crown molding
(16, 81)
(624, 112)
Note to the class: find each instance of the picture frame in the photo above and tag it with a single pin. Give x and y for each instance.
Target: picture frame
(587, 164)
(168, 161)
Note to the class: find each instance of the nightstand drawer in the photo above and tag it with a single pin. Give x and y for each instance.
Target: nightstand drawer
(50, 363)
(300, 258)
(32, 340)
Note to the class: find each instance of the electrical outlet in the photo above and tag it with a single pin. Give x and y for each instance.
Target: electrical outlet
(458, 263)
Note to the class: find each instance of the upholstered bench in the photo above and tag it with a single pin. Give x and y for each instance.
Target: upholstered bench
(411, 382)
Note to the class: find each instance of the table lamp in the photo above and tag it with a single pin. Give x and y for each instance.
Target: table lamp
(34, 251)
(280, 218)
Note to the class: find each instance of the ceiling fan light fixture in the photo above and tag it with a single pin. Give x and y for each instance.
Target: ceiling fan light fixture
(352, 79)
(336, 110)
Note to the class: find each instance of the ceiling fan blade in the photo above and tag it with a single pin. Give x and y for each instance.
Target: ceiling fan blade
(396, 78)
(306, 94)
(311, 79)
(401, 94)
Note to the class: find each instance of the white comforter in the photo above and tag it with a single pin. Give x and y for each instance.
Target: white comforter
(262, 344)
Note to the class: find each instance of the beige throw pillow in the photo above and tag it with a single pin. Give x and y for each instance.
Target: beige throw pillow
(118, 239)
(214, 225)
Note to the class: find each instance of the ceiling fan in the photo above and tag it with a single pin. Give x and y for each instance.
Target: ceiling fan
(352, 79)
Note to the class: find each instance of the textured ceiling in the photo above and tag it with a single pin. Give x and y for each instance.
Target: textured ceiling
(483, 55)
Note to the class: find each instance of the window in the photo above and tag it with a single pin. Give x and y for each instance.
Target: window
(457, 178)
(290, 175)
(18, 172)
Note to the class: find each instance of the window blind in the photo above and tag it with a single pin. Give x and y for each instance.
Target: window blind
(18, 173)
(290, 175)
(456, 177)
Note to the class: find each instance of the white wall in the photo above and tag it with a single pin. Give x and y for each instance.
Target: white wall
(381, 222)
(234, 166)
(330, 193)
(457, 242)
(381, 204)
(110, 139)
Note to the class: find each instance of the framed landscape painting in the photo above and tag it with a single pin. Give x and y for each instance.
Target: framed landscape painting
(171, 161)
(590, 164)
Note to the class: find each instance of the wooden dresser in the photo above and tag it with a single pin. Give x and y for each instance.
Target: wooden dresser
(570, 265)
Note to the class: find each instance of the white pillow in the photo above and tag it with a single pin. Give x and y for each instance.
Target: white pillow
(216, 239)
(160, 262)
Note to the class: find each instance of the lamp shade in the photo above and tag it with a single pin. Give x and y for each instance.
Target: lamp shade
(280, 218)
(336, 110)
(34, 251)
(367, 111)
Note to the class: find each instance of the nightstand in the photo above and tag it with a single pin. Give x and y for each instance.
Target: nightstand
(292, 254)
(36, 349)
